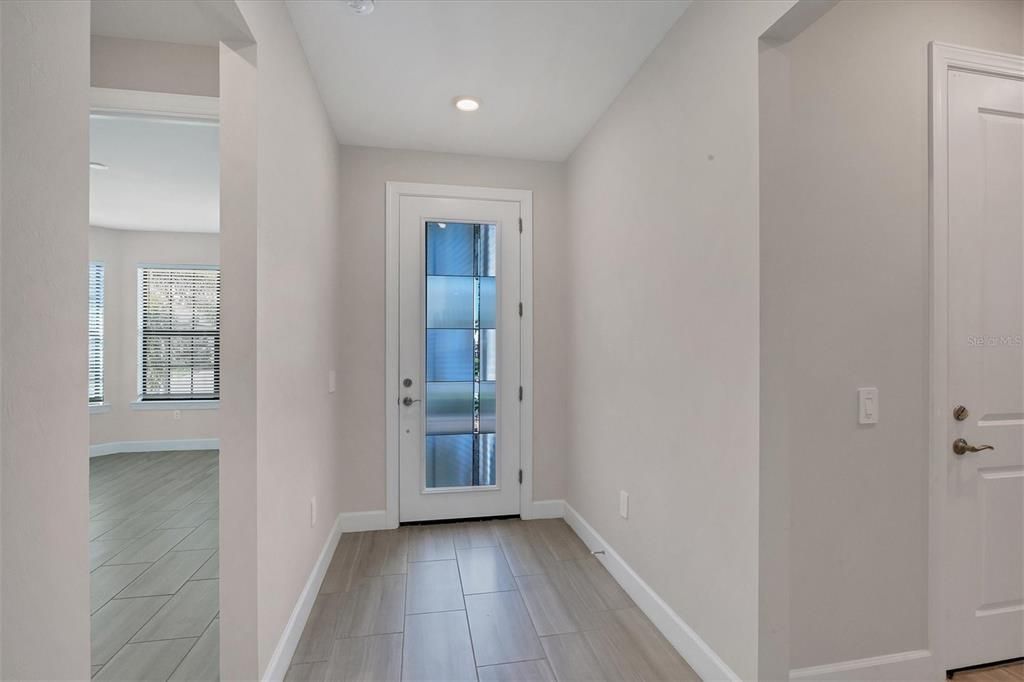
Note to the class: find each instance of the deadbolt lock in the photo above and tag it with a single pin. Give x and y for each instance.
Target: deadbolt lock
(960, 413)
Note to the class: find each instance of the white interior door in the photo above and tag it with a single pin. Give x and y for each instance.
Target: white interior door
(984, 520)
(459, 358)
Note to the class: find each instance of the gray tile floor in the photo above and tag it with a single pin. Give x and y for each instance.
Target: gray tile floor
(492, 600)
(153, 546)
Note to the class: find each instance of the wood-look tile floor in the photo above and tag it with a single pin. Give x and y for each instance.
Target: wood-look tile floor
(153, 544)
(492, 600)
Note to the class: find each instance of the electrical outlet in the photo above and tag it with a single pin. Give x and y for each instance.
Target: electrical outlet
(332, 381)
(312, 511)
(177, 414)
(624, 504)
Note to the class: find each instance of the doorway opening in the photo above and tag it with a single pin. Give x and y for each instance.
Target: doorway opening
(154, 381)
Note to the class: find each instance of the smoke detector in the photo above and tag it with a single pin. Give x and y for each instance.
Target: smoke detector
(361, 7)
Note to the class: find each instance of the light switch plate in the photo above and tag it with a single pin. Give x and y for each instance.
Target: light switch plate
(624, 504)
(332, 381)
(867, 405)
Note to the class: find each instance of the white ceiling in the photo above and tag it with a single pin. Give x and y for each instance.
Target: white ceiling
(163, 174)
(544, 70)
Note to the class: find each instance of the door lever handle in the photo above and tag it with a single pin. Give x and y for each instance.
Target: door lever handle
(407, 401)
(962, 447)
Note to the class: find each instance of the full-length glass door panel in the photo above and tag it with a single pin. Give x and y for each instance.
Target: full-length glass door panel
(461, 355)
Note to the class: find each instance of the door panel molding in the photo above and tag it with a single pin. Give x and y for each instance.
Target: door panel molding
(394, 193)
(943, 59)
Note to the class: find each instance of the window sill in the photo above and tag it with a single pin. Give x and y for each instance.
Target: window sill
(99, 408)
(175, 404)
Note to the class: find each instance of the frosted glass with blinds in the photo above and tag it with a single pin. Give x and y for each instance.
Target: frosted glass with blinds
(96, 278)
(179, 333)
(461, 351)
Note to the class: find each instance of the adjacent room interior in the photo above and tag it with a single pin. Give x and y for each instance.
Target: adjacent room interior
(154, 359)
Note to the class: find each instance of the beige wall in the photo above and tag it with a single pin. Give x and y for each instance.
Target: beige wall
(151, 66)
(121, 252)
(239, 474)
(361, 376)
(773, 498)
(662, 333)
(297, 321)
(844, 257)
(2, 458)
(44, 573)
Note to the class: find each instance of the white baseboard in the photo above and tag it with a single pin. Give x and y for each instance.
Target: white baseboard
(906, 665)
(545, 509)
(116, 447)
(277, 668)
(355, 522)
(701, 657)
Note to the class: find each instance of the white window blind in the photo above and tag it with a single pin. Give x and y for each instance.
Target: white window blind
(95, 332)
(179, 345)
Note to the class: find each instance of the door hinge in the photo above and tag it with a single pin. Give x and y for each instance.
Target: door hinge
(520, 226)
(520, 477)
(520, 309)
(520, 393)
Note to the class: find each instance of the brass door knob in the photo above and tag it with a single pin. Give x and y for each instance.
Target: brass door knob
(962, 447)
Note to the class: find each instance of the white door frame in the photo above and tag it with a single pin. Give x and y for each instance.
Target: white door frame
(942, 59)
(395, 191)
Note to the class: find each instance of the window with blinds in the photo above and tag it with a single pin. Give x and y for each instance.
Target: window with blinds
(95, 332)
(179, 333)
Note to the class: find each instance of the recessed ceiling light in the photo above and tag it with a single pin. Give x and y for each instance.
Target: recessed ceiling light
(96, 165)
(466, 104)
(361, 7)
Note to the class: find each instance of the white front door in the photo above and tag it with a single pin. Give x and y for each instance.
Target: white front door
(459, 357)
(984, 510)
